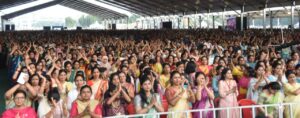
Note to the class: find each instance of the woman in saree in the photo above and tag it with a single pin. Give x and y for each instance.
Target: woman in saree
(215, 80)
(271, 95)
(171, 62)
(204, 67)
(257, 83)
(86, 107)
(165, 76)
(178, 97)
(52, 105)
(133, 66)
(238, 69)
(20, 110)
(15, 58)
(98, 83)
(70, 71)
(116, 97)
(73, 94)
(62, 83)
(147, 101)
(30, 94)
(203, 95)
(125, 82)
(292, 92)
(36, 82)
(157, 67)
(243, 82)
(228, 92)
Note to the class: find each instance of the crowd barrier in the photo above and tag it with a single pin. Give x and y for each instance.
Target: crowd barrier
(242, 109)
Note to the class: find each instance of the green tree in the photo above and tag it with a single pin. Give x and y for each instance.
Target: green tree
(69, 22)
(86, 21)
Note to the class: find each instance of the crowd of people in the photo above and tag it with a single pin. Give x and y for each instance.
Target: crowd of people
(110, 73)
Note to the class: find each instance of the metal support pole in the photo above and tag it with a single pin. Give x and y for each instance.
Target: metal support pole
(2, 24)
(115, 22)
(188, 22)
(299, 18)
(208, 12)
(223, 17)
(242, 18)
(127, 23)
(182, 19)
(146, 24)
(110, 22)
(195, 20)
(200, 22)
(161, 25)
(271, 20)
(178, 21)
(248, 20)
(153, 23)
(105, 24)
(213, 20)
(292, 14)
(264, 16)
(143, 24)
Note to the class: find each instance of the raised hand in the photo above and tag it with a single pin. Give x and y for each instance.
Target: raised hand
(26, 78)
(181, 92)
(234, 89)
(119, 88)
(53, 102)
(87, 110)
(19, 67)
(153, 100)
(190, 90)
(206, 82)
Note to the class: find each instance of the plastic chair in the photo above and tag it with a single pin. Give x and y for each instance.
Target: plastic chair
(246, 112)
(130, 108)
(241, 96)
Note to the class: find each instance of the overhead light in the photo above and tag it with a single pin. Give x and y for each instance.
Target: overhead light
(289, 12)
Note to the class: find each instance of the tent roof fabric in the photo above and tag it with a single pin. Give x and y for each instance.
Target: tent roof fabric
(159, 7)
(172, 7)
(79, 5)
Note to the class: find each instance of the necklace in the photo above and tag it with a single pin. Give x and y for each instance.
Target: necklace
(116, 104)
(228, 83)
(116, 109)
